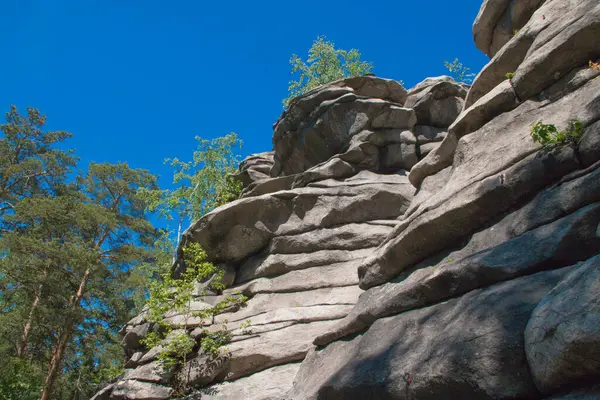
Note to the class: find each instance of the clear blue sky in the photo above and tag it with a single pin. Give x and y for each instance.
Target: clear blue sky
(136, 80)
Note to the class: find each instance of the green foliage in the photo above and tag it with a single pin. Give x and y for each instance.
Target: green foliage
(171, 294)
(549, 136)
(201, 184)
(245, 327)
(20, 380)
(516, 32)
(30, 163)
(213, 342)
(459, 72)
(325, 64)
(509, 75)
(178, 345)
(68, 244)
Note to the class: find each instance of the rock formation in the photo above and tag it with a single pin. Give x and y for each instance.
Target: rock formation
(416, 244)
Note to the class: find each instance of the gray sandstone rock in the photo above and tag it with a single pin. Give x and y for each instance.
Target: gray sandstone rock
(136, 390)
(255, 167)
(547, 247)
(470, 347)
(501, 99)
(551, 18)
(436, 101)
(239, 229)
(439, 203)
(321, 123)
(272, 348)
(562, 339)
(152, 372)
(435, 161)
(272, 264)
(428, 134)
(345, 237)
(202, 370)
(490, 172)
(270, 384)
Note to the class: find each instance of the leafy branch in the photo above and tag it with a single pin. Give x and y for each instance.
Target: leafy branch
(549, 136)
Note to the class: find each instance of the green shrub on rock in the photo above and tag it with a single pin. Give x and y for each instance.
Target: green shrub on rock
(549, 136)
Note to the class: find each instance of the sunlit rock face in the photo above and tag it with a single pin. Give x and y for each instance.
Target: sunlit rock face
(414, 244)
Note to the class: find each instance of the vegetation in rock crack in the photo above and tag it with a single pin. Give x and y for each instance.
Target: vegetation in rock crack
(324, 64)
(510, 75)
(171, 296)
(200, 185)
(459, 72)
(549, 136)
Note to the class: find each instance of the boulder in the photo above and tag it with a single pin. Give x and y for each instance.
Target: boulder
(136, 390)
(436, 101)
(134, 335)
(321, 123)
(501, 99)
(268, 302)
(428, 134)
(152, 372)
(562, 339)
(344, 237)
(270, 384)
(272, 348)
(234, 231)
(272, 264)
(436, 160)
(470, 347)
(589, 393)
(552, 18)
(589, 146)
(330, 275)
(498, 20)
(547, 64)
(254, 168)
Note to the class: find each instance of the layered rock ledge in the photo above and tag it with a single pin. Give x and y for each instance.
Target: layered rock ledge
(415, 244)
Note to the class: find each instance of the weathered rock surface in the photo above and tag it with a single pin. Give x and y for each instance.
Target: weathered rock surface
(467, 348)
(139, 390)
(239, 229)
(255, 167)
(553, 25)
(562, 339)
(498, 21)
(437, 101)
(543, 248)
(490, 173)
(321, 123)
(271, 384)
(476, 247)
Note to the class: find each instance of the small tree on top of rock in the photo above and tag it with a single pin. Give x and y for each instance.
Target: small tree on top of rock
(200, 185)
(325, 64)
(459, 71)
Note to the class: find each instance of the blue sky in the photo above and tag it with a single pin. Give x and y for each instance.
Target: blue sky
(136, 80)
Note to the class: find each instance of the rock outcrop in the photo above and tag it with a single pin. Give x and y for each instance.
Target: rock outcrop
(414, 244)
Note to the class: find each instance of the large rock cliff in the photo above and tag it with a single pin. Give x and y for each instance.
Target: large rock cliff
(416, 244)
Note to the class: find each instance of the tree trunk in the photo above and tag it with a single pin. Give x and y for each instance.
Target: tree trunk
(59, 350)
(36, 301)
